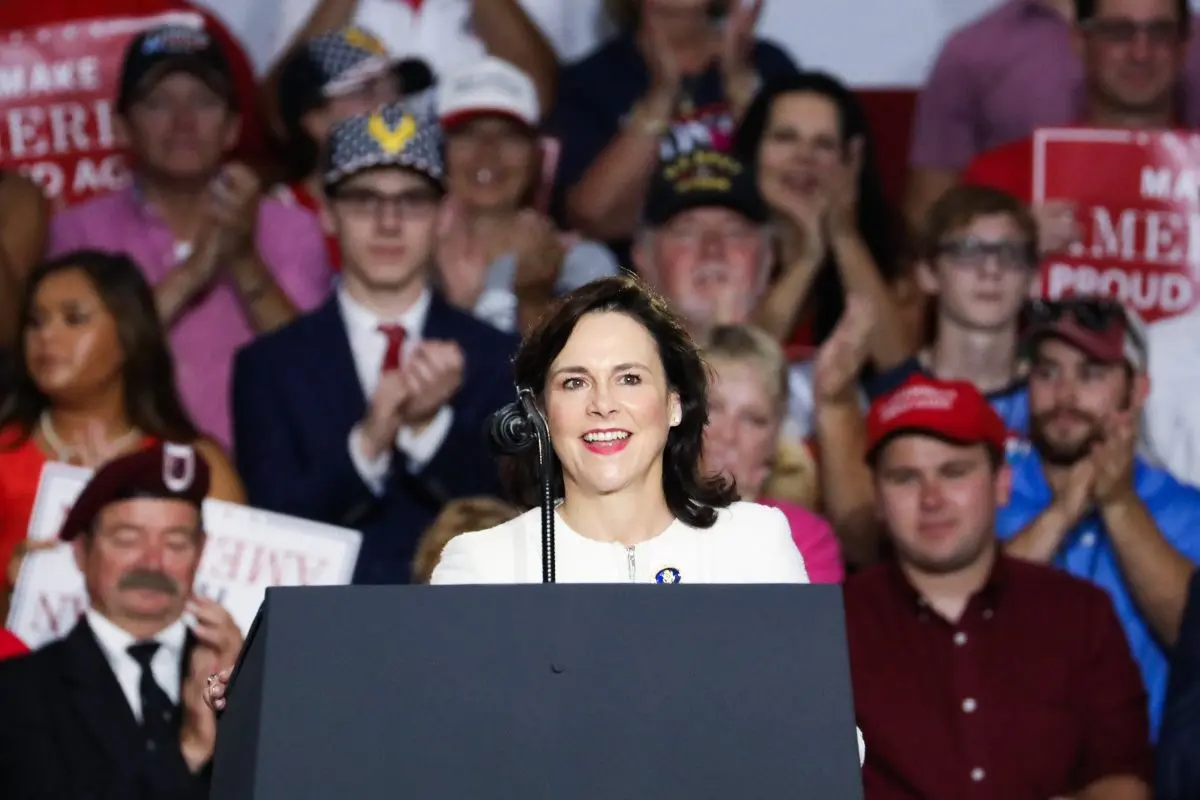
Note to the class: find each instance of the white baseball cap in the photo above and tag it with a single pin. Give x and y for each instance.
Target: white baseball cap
(485, 87)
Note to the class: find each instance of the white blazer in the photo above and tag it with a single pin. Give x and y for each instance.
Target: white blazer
(748, 544)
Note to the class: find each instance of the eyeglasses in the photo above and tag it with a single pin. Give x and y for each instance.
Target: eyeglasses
(975, 253)
(369, 203)
(1124, 31)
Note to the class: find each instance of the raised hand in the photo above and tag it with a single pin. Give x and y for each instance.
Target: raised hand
(1058, 226)
(840, 359)
(431, 376)
(841, 194)
(1112, 460)
(539, 253)
(462, 260)
(736, 49)
(385, 414)
(235, 197)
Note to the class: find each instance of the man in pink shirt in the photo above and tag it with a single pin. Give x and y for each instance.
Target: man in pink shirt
(225, 263)
(995, 81)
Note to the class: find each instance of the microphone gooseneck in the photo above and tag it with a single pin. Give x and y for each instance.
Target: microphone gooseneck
(513, 429)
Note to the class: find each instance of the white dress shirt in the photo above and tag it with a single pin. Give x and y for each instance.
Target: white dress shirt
(369, 346)
(166, 663)
(749, 543)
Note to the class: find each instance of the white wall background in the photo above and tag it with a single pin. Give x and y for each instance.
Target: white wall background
(867, 42)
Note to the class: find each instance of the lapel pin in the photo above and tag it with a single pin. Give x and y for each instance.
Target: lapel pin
(667, 575)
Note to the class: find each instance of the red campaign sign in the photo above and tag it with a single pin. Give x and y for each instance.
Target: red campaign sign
(1138, 200)
(58, 86)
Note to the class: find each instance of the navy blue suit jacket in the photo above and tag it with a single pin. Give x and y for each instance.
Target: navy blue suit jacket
(1178, 752)
(296, 396)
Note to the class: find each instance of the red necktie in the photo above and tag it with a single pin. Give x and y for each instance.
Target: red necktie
(395, 342)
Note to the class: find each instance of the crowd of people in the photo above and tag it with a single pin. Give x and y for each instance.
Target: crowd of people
(313, 295)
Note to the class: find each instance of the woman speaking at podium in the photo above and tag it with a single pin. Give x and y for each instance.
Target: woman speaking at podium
(623, 391)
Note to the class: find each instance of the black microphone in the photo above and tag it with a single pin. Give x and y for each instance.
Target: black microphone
(513, 429)
(510, 430)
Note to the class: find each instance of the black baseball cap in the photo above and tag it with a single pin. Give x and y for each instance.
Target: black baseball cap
(699, 179)
(159, 52)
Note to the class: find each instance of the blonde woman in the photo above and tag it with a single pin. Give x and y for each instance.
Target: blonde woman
(742, 440)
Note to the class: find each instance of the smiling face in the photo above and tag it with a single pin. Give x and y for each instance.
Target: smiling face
(801, 151)
(490, 162)
(609, 407)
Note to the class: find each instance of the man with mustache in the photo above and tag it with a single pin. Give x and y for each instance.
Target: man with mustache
(1082, 499)
(115, 710)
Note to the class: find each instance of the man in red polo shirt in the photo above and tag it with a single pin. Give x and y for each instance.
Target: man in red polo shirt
(977, 675)
(1133, 54)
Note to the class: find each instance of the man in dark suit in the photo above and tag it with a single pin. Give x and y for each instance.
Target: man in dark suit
(1178, 749)
(369, 412)
(115, 710)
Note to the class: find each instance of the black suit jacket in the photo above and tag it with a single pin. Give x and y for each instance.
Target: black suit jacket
(1178, 751)
(67, 732)
(296, 396)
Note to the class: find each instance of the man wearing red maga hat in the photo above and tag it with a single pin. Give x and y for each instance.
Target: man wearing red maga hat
(976, 674)
(115, 708)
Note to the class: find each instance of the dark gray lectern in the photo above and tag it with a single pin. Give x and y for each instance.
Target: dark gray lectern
(542, 692)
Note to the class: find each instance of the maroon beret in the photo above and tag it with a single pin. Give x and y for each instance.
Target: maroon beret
(166, 471)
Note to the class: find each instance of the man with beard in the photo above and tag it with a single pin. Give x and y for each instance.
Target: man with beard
(704, 243)
(977, 674)
(115, 709)
(1082, 499)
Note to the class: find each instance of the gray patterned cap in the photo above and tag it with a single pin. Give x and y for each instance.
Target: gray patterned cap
(392, 136)
(345, 57)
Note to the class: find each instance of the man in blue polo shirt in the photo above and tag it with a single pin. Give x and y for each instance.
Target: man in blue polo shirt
(1081, 497)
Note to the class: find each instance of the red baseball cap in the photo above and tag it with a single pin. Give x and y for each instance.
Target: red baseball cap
(165, 471)
(1102, 328)
(951, 410)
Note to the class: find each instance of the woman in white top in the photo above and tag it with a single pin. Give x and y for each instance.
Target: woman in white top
(624, 393)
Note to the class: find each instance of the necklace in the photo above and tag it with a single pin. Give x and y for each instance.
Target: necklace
(66, 453)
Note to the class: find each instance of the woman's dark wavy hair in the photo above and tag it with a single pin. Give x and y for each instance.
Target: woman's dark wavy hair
(877, 222)
(692, 497)
(151, 400)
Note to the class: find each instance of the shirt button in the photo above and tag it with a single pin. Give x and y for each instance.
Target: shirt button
(977, 774)
(969, 705)
(960, 638)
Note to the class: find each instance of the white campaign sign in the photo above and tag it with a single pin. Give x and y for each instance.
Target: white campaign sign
(248, 550)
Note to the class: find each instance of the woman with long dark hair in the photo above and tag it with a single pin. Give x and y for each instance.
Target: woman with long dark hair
(624, 392)
(807, 139)
(93, 379)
